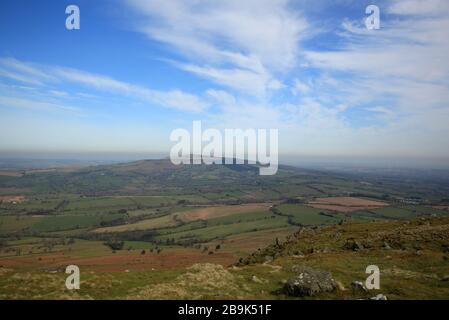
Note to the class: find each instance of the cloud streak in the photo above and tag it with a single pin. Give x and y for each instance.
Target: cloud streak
(41, 75)
(237, 44)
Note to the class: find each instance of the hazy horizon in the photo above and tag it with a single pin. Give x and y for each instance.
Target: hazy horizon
(306, 161)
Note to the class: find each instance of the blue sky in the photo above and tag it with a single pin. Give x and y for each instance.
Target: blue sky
(136, 70)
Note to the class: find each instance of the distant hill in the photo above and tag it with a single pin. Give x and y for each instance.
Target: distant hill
(242, 181)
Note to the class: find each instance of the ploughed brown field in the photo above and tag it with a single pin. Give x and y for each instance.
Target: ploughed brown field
(219, 211)
(12, 198)
(120, 262)
(346, 204)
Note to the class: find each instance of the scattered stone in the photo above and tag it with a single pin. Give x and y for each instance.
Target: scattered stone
(386, 246)
(445, 278)
(309, 282)
(353, 245)
(379, 297)
(358, 286)
(256, 279)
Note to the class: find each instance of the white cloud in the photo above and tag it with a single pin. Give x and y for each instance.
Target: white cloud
(406, 60)
(221, 97)
(175, 99)
(19, 77)
(58, 93)
(239, 79)
(50, 75)
(300, 87)
(418, 7)
(254, 38)
(25, 68)
(36, 105)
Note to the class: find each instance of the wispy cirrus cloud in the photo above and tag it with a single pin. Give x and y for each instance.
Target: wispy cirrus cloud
(37, 105)
(241, 45)
(49, 75)
(418, 7)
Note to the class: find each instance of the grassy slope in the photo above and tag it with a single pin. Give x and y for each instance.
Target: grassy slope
(412, 269)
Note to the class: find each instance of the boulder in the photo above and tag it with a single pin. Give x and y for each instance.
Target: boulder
(379, 297)
(353, 245)
(309, 282)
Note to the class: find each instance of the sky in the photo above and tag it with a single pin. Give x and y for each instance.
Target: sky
(136, 70)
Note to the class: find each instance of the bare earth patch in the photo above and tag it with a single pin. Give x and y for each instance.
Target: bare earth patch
(346, 204)
(147, 224)
(120, 261)
(219, 211)
(12, 198)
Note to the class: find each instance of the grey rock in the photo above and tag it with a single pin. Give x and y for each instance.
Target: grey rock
(309, 282)
(379, 297)
(353, 245)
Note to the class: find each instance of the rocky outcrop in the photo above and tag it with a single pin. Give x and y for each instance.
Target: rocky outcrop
(309, 282)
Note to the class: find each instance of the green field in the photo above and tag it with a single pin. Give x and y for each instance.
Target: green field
(307, 216)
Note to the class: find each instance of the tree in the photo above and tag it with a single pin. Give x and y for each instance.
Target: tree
(115, 245)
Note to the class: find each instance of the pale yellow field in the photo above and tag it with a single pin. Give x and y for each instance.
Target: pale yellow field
(161, 222)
